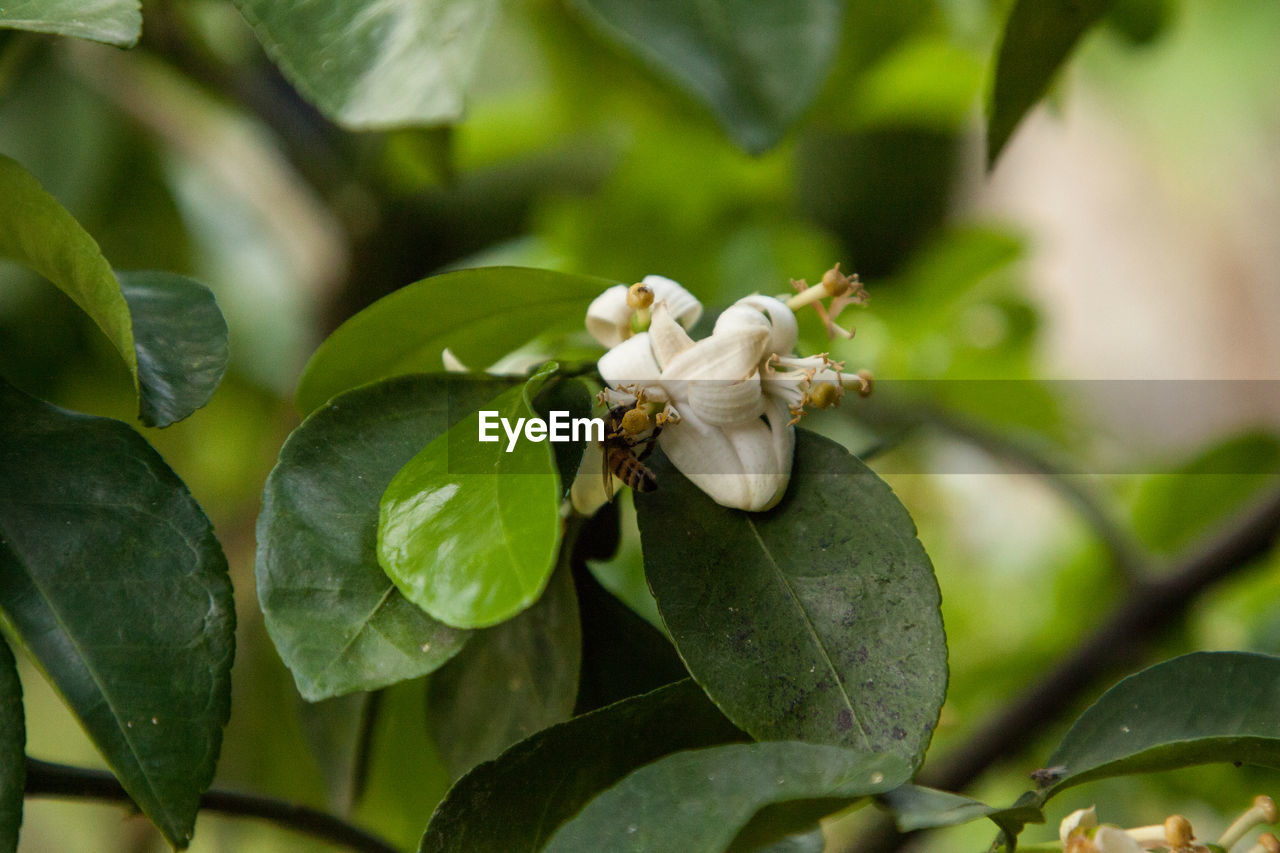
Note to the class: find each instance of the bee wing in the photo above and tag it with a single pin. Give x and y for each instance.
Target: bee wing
(608, 474)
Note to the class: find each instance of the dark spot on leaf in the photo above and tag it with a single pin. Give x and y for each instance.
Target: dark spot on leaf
(898, 733)
(844, 720)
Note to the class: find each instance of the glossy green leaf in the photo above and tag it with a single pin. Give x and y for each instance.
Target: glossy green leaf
(478, 314)
(817, 620)
(542, 781)
(1038, 37)
(117, 22)
(13, 744)
(181, 341)
(37, 231)
(167, 328)
(375, 65)
(756, 64)
(338, 622)
(468, 530)
(510, 681)
(699, 800)
(1147, 721)
(112, 578)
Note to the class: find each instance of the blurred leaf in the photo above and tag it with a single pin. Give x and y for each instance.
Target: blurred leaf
(117, 22)
(181, 341)
(757, 64)
(469, 531)
(375, 65)
(1172, 510)
(37, 231)
(115, 583)
(1141, 22)
(817, 620)
(478, 314)
(883, 191)
(570, 763)
(13, 744)
(337, 731)
(1038, 37)
(698, 800)
(1200, 708)
(167, 328)
(338, 622)
(510, 681)
(926, 81)
(622, 573)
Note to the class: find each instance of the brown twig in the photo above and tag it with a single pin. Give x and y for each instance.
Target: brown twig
(59, 780)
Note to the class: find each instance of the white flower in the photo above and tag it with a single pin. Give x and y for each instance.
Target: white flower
(1081, 833)
(609, 314)
(733, 408)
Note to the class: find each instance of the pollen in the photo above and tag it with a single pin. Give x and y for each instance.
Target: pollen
(635, 421)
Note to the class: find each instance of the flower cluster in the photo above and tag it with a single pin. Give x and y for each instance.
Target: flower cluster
(1080, 832)
(729, 402)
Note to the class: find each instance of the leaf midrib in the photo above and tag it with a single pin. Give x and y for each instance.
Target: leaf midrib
(813, 633)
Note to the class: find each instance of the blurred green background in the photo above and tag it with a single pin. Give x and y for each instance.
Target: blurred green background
(1129, 232)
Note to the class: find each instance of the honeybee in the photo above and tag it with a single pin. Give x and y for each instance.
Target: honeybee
(626, 428)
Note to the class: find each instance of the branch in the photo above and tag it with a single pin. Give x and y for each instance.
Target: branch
(1125, 555)
(1117, 643)
(59, 780)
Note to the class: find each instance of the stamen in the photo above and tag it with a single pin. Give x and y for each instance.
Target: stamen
(639, 300)
(1177, 831)
(1263, 811)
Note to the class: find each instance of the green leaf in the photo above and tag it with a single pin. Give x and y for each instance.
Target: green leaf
(570, 763)
(1038, 37)
(117, 22)
(468, 531)
(181, 341)
(112, 578)
(698, 800)
(757, 64)
(817, 620)
(510, 681)
(915, 807)
(13, 744)
(167, 328)
(478, 314)
(37, 231)
(375, 65)
(338, 622)
(1146, 723)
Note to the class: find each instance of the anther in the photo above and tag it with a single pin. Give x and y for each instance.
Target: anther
(826, 395)
(1177, 831)
(836, 283)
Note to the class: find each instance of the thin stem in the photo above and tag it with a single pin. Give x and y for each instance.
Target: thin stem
(59, 780)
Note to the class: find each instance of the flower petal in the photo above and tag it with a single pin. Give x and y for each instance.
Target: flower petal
(726, 403)
(684, 306)
(730, 356)
(588, 492)
(1081, 819)
(706, 456)
(666, 335)
(782, 321)
(630, 363)
(609, 316)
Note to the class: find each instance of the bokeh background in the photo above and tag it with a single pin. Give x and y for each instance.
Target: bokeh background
(1118, 273)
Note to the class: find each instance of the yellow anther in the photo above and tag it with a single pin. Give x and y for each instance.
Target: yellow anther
(868, 383)
(639, 297)
(836, 283)
(826, 395)
(635, 421)
(1177, 831)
